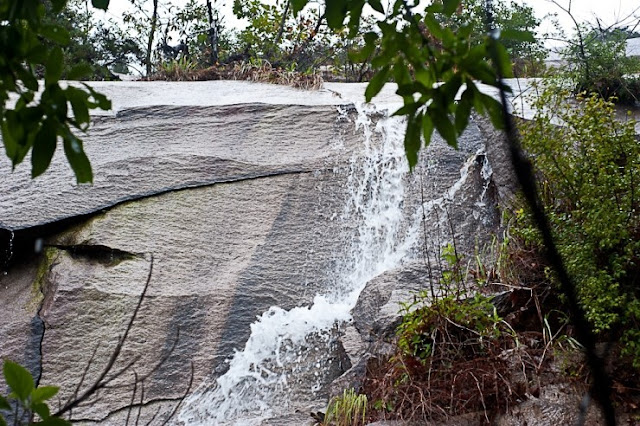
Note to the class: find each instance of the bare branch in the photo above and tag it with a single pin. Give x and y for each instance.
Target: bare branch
(100, 382)
(186, 392)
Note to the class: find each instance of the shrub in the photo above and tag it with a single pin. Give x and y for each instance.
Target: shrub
(589, 180)
(475, 316)
(597, 63)
(450, 360)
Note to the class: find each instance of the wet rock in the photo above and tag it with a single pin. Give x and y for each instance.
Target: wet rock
(227, 196)
(377, 312)
(241, 209)
(353, 343)
(154, 150)
(21, 328)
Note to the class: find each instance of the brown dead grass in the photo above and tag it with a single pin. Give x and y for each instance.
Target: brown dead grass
(244, 71)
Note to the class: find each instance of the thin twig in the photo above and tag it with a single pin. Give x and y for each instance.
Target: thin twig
(133, 397)
(186, 392)
(100, 383)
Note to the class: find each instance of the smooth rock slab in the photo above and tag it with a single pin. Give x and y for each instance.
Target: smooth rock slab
(153, 150)
(222, 255)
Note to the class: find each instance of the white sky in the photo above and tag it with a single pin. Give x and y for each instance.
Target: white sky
(608, 11)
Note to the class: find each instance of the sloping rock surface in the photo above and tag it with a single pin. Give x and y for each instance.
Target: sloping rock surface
(153, 150)
(236, 204)
(237, 208)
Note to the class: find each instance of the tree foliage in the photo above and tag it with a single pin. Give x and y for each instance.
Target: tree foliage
(297, 41)
(509, 16)
(33, 125)
(102, 45)
(432, 64)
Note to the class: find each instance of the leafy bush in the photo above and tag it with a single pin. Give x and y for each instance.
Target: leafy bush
(416, 333)
(597, 62)
(589, 178)
(449, 347)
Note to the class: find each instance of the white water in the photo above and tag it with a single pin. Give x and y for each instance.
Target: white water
(261, 376)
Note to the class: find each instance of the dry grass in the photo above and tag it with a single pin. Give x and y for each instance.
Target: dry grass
(261, 72)
(465, 374)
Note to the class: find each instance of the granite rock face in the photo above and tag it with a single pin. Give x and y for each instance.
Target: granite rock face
(236, 205)
(152, 150)
(229, 209)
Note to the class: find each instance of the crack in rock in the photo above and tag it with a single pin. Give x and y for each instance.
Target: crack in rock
(102, 254)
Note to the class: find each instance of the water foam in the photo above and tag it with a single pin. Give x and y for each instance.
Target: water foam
(260, 377)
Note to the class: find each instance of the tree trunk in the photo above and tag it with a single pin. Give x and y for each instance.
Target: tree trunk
(154, 22)
(282, 22)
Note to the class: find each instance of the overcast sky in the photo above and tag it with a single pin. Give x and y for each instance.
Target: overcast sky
(608, 11)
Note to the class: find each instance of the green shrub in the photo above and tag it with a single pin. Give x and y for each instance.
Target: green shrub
(476, 315)
(589, 180)
(598, 63)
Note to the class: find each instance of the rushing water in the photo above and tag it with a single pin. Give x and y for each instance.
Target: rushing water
(263, 379)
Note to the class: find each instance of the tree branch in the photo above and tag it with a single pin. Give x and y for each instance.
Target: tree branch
(526, 179)
(100, 383)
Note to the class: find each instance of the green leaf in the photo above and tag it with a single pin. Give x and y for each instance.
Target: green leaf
(377, 83)
(4, 404)
(102, 101)
(53, 421)
(474, 56)
(77, 158)
(427, 129)
(56, 34)
(38, 54)
(27, 78)
(518, 35)
(42, 393)
(444, 126)
(19, 379)
(2, 421)
(100, 4)
(79, 71)
(463, 110)
(408, 109)
(298, 5)
(424, 75)
(434, 26)
(450, 6)
(451, 88)
(409, 89)
(44, 146)
(503, 59)
(483, 72)
(58, 5)
(41, 409)
(370, 39)
(412, 141)
(54, 65)
(376, 5)
(336, 12)
(79, 104)
(402, 76)
(495, 110)
(16, 149)
(355, 12)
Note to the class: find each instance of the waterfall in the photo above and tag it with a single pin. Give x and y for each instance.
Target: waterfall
(262, 376)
